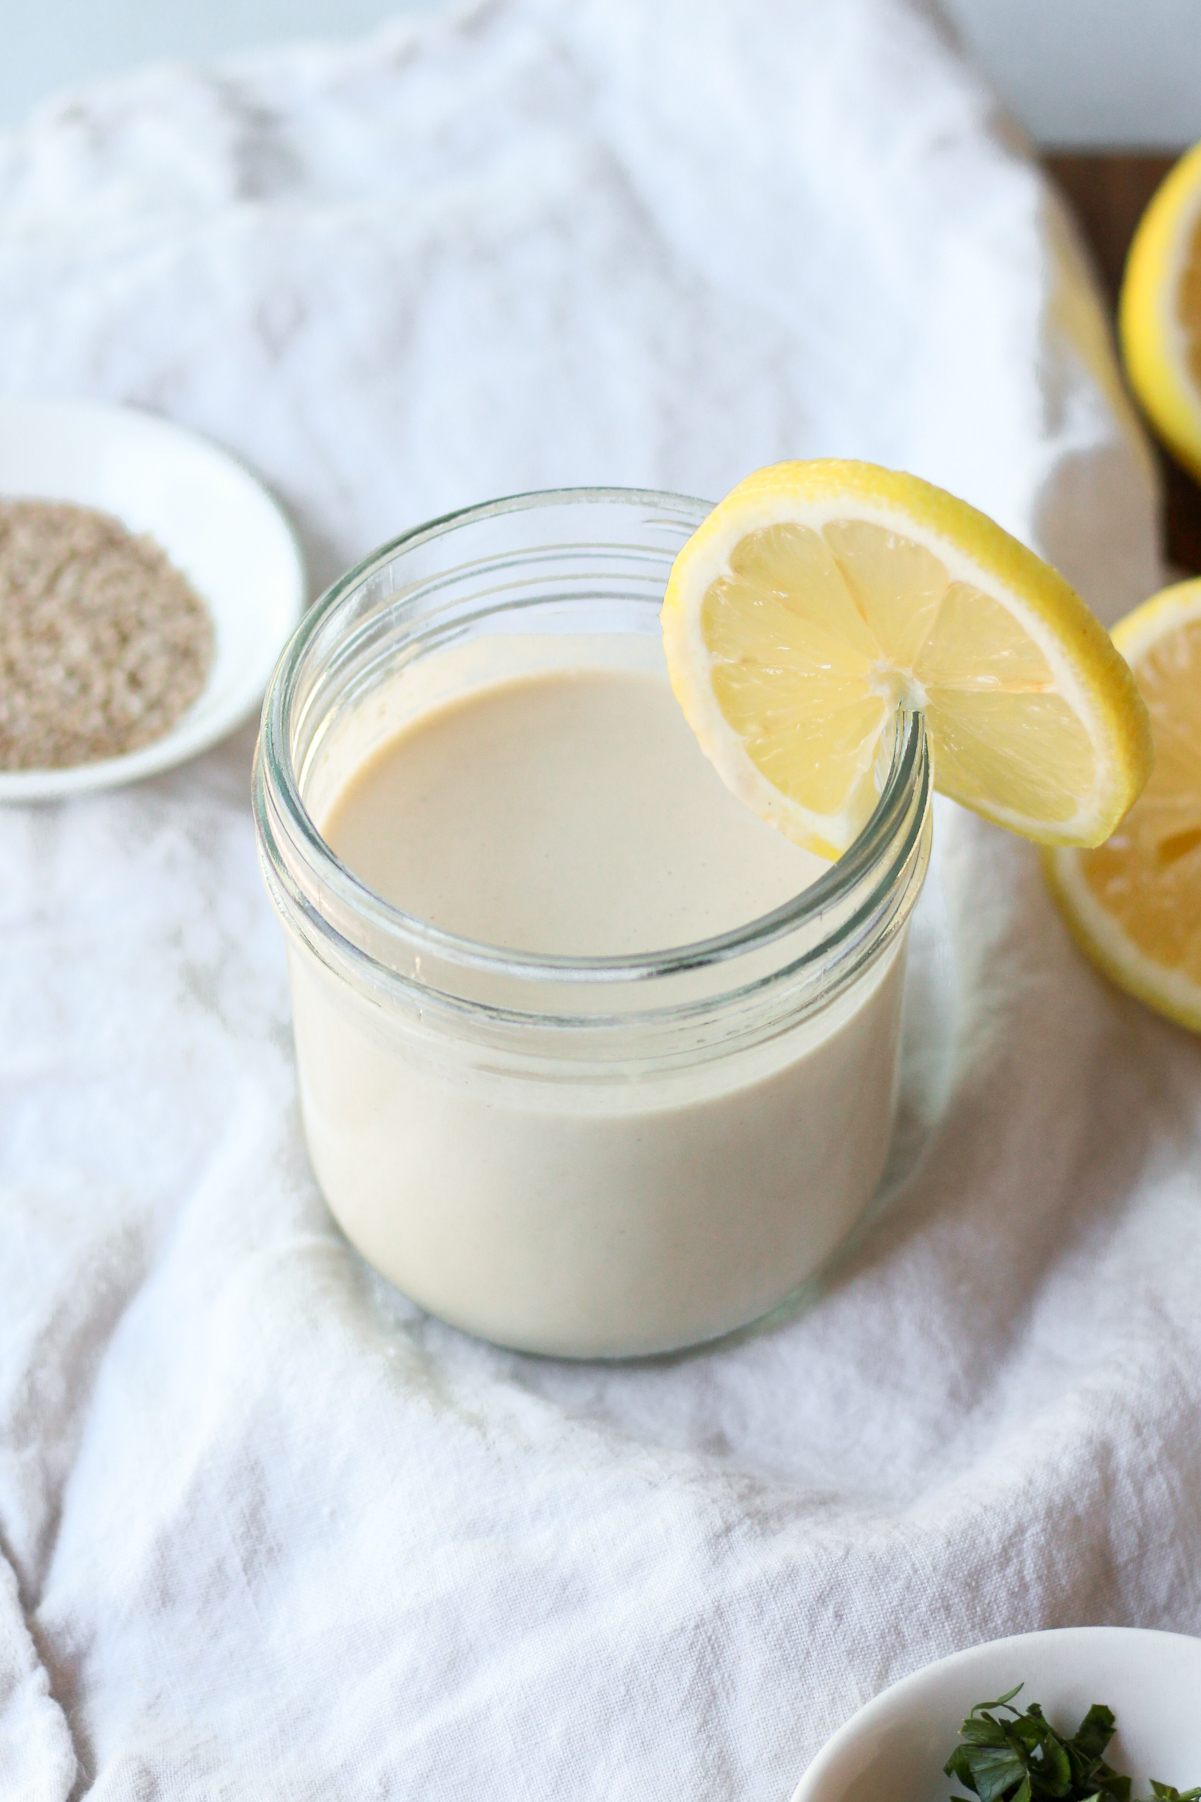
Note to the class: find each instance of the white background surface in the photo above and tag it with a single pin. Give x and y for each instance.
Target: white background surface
(1091, 72)
(1075, 72)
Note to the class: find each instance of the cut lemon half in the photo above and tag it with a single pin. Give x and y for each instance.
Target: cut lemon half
(1159, 316)
(1134, 904)
(818, 599)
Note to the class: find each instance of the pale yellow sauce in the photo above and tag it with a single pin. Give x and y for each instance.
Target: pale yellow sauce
(570, 813)
(546, 795)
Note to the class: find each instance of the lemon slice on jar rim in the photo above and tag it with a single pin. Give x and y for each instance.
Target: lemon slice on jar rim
(818, 598)
(1134, 903)
(1159, 314)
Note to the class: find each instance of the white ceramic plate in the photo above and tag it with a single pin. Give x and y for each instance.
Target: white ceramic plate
(215, 522)
(896, 1746)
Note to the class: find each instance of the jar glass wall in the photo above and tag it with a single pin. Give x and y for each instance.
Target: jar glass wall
(587, 1157)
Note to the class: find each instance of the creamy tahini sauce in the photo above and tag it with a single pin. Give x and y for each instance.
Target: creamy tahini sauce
(546, 794)
(568, 813)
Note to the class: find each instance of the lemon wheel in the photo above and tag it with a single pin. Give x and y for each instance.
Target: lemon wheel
(1134, 904)
(1159, 315)
(820, 598)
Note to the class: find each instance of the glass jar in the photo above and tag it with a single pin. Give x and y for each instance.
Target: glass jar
(602, 1157)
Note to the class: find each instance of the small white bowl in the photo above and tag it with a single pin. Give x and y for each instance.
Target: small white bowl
(896, 1745)
(216, 523)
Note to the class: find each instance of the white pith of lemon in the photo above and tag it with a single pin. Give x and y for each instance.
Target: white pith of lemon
(1134, 903)
(819, 597)
(1159, 315)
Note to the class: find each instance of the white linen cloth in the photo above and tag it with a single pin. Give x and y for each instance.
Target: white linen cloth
(267, 1531)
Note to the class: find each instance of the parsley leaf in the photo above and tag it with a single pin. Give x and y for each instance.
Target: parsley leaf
(1008, 1754)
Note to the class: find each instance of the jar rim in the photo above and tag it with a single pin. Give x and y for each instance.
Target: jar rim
(275, 769)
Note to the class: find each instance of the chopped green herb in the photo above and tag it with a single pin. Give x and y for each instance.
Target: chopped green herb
(1012, 1755)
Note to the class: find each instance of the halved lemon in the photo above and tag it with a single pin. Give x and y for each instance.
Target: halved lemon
(1134, 904)
(818, 598)
(1159, 315)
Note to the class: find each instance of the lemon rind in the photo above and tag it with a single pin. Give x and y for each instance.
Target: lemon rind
(1089, 671)
(1171, 607)
(1152, 341)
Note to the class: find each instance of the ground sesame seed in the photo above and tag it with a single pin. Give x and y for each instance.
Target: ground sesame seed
(103, 643)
